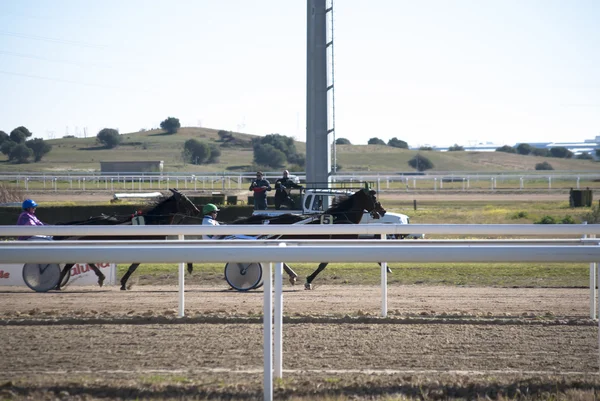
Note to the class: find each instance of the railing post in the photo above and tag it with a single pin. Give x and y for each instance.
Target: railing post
(181, 237)
(383, 284)
(268, 332)
(278, 334)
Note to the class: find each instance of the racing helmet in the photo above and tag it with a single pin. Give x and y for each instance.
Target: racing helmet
(29, 203)
(209, 208)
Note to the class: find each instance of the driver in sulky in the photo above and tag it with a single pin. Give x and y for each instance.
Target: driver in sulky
(28, 218)
(282, 196)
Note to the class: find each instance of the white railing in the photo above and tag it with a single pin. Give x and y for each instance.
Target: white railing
(432, 181)
(564, 250)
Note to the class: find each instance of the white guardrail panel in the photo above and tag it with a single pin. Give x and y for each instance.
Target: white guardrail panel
(547, 230)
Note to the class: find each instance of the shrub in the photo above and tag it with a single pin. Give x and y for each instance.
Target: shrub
(524, 148)
(561, 152)
(196, 152)
(109, 137)
(171, 125)
(520, 215)
(567, 220)
(506, 149)
(544, 166)
(593, 217)
(420, 162)
(546, 220)
(540, 152)
(456, 148)
(397, 143)
(375, 141)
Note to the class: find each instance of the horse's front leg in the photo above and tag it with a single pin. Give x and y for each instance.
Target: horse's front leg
(293, 276)
(63, 273)
(126, 275)
(309, 279)
(387, 268)
(99, 274)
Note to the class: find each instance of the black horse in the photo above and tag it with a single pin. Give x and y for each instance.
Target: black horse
(348, 210)
(172, 210)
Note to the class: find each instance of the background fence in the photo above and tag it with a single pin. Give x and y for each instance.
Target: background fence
(431, 182)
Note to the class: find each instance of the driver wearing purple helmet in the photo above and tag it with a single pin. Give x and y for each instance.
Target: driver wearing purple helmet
(28, 217)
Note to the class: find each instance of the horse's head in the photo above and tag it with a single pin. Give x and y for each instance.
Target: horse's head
(378, 212)
(372, 205)
(352, 208)
(184, 204)
(171, 210)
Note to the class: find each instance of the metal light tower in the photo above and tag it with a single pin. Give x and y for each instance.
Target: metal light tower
(319, 90)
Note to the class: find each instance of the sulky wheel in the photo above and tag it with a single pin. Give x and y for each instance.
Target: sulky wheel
(243, 276)
(42, 277)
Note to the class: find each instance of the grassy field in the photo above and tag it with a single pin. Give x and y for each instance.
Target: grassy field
(84, 154)
(432, 212)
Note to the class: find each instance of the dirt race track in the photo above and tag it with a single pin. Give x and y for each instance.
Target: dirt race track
(438, 342)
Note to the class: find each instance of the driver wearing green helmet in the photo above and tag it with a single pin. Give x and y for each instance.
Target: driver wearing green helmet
(210, 218)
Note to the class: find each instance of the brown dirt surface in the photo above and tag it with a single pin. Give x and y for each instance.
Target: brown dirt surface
(438, 342)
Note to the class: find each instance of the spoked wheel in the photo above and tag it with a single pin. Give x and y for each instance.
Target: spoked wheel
(43, 277)
(243, 276)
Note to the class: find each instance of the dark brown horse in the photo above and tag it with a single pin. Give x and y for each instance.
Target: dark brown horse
(348, 210)
(172, 210)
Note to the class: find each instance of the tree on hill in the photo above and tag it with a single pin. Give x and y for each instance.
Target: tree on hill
(4, 137)
(561, 152)
(584, 156)
(506, 149)
(276, 150)
(196, 152)
(215, 153)
(225, 136)
(20, 153)
(268, 155)
(20, 134)
(455, 148)
(425, 148)
(342, 141)
(540, 152)
(544, 166)
(524, 148)
(7, 147)
(397, 143)
(420, 163)
(375, 141)
(171, 125)
(109, 137)
(39, 148)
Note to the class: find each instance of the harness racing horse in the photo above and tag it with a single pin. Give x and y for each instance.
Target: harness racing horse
(348, 210)
(172, 210)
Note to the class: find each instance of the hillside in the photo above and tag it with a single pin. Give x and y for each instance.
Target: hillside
(84, 154)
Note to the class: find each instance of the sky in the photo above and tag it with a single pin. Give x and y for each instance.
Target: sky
(429, 72)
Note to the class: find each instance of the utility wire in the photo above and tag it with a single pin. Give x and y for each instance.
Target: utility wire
(75, 82)
(34, 57)
(52, 40)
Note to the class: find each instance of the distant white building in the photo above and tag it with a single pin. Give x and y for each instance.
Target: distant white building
(588, 145)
